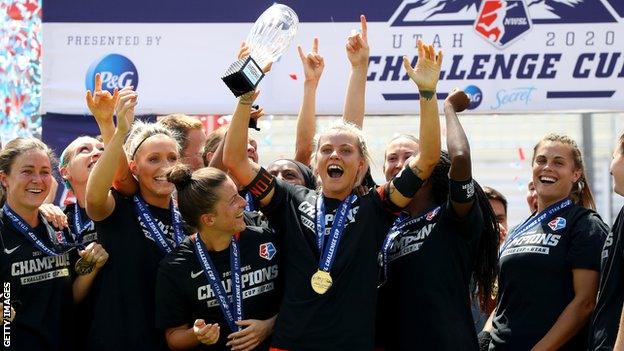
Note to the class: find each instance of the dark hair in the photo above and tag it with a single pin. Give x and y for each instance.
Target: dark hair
(485, 263)
(309, 181)
(493, 194)
(581, 193)
(196, 190)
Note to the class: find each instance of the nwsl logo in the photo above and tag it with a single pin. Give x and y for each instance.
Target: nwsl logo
(267, 251)
(502, 22)
(432, 214)
(117, 72)
(557, 224)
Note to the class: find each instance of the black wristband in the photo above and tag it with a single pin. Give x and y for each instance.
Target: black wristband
(462, 191)
(406, 182)
(261, 185)
(427, 94)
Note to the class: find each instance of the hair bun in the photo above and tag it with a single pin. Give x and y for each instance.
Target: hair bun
(180, 175)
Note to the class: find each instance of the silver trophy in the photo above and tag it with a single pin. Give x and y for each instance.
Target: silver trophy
(268, 39)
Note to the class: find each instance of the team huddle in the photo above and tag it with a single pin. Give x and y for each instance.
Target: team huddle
(180, 240)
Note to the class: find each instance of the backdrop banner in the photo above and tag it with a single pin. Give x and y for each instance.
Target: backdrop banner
(509, 56)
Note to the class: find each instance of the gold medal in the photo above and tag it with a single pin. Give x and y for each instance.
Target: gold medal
(83, 267)
(321, 281)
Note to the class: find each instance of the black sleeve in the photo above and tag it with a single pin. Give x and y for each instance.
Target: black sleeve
(171, 308)
(588, 236)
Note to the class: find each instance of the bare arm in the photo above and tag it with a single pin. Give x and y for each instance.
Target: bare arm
(235, 149)
(185, 337)
(313, 65)
(425, 75)
(358, 54)
(102, 105)
(100, 201)
(93, 254)
(576, 314)
(457, 145)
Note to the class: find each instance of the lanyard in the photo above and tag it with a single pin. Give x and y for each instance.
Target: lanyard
(80, 226)
(329, 251)
(23, 227)
(250, 206)
(531, 222)
(233, 312)
(398, 229)
(154, 230)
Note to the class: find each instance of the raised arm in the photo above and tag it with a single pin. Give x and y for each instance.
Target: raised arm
(313, 65)
(244, 170)
(460, 173)
(100, 201)
(358, 53)
(102, 105)
(425, 75)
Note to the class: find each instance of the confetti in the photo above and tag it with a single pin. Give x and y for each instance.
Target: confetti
(293, 76)
(521, 154)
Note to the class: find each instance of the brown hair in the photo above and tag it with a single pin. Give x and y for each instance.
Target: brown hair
(196, 190)
(181, 124)
(493, 194)
(212, 142)
(581, 193)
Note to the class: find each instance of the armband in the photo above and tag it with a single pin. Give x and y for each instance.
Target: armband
(261, 185)
(462, 191)
(407, 182)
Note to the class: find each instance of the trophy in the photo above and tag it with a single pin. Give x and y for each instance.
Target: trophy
(268, 39)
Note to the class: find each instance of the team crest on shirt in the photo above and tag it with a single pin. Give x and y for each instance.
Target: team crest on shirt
(432, 214)
(557, 223)
(267, 251)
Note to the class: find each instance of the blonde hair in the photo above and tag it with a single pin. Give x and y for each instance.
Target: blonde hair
(581, 193)
(350, 128)
(141, 131)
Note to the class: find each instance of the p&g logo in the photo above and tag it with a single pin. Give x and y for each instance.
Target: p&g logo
(475, 95)
(117, 72)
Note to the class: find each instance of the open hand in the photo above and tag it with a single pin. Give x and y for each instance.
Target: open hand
(427, 70)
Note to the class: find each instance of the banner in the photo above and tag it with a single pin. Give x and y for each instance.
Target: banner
(509, 56)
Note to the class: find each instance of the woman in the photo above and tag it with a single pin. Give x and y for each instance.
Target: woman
(293, 172)
(329, 305)
(447, 236)
(37, 264)
(137, 231)
(549, 265)
(607, 317)
(190, 304)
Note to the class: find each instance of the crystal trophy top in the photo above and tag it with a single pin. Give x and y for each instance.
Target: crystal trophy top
(268, 39)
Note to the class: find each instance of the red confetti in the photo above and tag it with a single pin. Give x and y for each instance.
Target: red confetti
(521, 154)
(293, 76)
(15, 13)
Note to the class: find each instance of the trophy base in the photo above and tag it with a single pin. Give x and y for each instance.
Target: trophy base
(243, 76)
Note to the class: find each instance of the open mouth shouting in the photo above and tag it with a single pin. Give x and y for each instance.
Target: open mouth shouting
(335, 171)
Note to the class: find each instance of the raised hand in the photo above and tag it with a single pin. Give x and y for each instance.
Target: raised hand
(427, 70)
(101, 103)
(207, 334)
(458, 100)
(125, 109)
(357, 46)
(313, 63)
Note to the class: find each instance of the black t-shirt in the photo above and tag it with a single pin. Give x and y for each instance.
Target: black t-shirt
(606, 316)
(344, 317)
(89, 233)
(535, 278)
(124, 302)
(39, 287)
(183, 293)
(425, 302)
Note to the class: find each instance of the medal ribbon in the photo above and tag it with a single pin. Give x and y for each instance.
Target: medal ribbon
(250, 206)
(328, 255)
(232, 312)
(531, 222)
(153, 228)
(23, 227)
(79, 225)
(397, 230)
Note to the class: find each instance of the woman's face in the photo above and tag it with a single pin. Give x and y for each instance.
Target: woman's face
(228, 213)
(617, 170)
(286, 171)
(29, 180)
(338, 163)
(397, 153)
(83, 155)
(153, 159)
(192, 154)
(554, 171)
